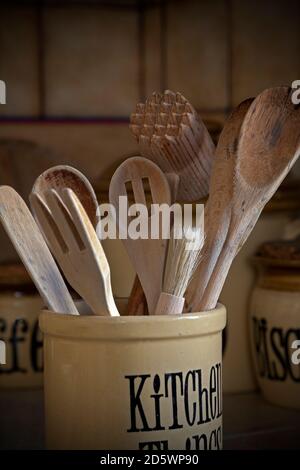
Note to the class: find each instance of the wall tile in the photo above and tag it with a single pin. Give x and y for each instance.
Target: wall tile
(266, 45)
(18, 61)
(91, 61)
(197, 51)
(152, 50)
(96, 148)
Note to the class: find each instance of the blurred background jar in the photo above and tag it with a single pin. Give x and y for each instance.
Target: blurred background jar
(275, 322)
(20, 305)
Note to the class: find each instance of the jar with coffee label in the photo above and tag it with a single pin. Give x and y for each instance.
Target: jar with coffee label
(275, 323)
(21, 344)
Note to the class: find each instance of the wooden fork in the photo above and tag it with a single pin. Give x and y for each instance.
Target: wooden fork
(76, 247)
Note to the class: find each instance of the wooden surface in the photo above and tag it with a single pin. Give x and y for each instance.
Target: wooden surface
(65, 176)
(147, 255)
(171, 133)
(24, 233)
(75, 245)
(249, 422)
(218, 208)
(268, 147)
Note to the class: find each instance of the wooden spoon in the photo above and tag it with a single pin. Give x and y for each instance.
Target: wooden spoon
(33, 251)
(76, 247)
(269, 145)
(147, 255)
(137, 303)
(218, 209)
(64, 176)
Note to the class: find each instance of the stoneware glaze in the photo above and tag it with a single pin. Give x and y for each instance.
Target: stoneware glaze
(275, 333)
(152, 382)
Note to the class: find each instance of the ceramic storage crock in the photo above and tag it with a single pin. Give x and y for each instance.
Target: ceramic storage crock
(148, 382)
(20, 336)
(275, 331)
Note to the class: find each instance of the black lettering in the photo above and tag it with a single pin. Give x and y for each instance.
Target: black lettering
(135, 402)
(203, 400)
(212, 393)
(36, 347)
(154, 445)
(157, 396)
(190, 376)
(20, 325)
(260, 357)
(173, 376)
(277, 332)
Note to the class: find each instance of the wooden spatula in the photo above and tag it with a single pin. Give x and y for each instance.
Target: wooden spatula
(64, 176)
(33, 251)
(269, 145)
(218, 208)
(147, 255)
(137, 303)
(74, 243)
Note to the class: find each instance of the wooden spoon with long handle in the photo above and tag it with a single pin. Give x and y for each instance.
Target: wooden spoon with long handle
(137, 303)
(147, 255)
(33, 251)
(75, 245)
(269, 145)
(65, 176)
(218, 208)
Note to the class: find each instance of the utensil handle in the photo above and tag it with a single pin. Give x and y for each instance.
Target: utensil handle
(137, 304)
(169, 304)
(215, 239)
(231, 248)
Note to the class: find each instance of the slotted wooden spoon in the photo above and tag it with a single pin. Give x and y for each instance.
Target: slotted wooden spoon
(76, 247)
(269, 145)
(147, 255)
(65, 176)
(218, 208)
(33, 251)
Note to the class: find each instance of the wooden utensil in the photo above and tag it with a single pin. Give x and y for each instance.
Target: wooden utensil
(33, 251)
(218, 209)
(65, 176)
(74, 243)
(147, 255)
(182, 260)
(269, 145)
(170, 133)
(137, 303)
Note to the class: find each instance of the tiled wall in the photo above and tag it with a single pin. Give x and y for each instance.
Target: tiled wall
(89, 60)
(217, 52)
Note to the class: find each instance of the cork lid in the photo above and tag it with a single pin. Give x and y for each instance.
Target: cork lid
(278, 265)
(284, 251)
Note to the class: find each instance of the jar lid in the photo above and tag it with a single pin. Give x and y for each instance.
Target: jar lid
(278, 274)
(284, 252)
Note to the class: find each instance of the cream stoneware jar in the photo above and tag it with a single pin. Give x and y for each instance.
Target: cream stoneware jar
(20, 336)
(275, 332)
(151, 383)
